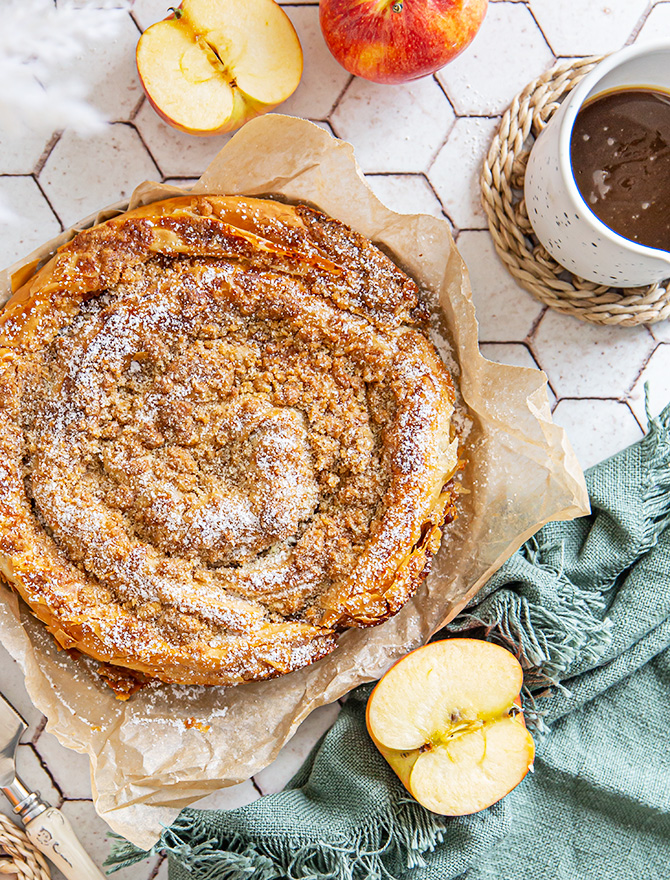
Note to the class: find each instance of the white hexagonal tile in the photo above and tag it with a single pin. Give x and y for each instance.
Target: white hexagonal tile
(406, 193)
(14, 690)
(83, 175)
(183, 182)
(20, 154)
(147, 12)
(32, 222)
(456, 170)
(656, 25)
(589, 360)
(515, 355)
(661, 330)
(93, 831)
(585, 27)
(394, 128)
(510, 43)
(107, 68)
(229, 798)
(322, 78)
(657, 374)
(70, 770)
(505, 311)
(34, 776)
(597, 429)
(274, 777)
(176, 154)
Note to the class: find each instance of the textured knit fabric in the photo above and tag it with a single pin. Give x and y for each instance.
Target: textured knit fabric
(586, 607)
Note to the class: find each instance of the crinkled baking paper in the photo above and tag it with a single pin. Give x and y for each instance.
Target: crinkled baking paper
(170, 745)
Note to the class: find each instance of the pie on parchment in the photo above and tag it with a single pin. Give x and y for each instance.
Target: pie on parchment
(224, 438)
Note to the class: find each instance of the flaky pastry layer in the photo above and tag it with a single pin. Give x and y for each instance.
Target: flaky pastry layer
(225, 438)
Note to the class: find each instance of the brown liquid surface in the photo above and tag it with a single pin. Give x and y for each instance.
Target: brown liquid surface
(620, 153)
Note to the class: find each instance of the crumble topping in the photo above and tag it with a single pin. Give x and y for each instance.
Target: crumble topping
(231, 429)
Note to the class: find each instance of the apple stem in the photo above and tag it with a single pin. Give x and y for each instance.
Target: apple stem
(177, 11)
(397, 7)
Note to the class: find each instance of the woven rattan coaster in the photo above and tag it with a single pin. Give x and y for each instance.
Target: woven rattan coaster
(18, 857)
(526, 259)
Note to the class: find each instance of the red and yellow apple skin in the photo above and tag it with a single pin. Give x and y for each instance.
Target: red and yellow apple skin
(447, 719)
(213, 65)
(394, 41)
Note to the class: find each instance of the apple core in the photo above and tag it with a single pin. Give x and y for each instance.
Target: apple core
(447, 719)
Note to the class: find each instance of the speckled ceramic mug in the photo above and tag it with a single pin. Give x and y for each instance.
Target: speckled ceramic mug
(562, 220)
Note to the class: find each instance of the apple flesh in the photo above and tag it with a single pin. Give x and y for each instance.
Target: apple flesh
(394, 41)
(446, 719)
(215, 64)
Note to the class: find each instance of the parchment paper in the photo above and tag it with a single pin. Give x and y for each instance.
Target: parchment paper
(171, 745)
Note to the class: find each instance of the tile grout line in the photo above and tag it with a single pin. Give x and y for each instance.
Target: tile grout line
(46, 769)
(644, 428)
(136, 112)
(454, 228)
(640, 24)
(161, 858)
(528, 342)
(444, 92)
(131, 16)
(337, 102)
(135, 128)
(645, 364)
(48, 201)
(622, 400)
(534, 326)
(424, 176)
(48, 150)
(541, 30)
(39, 730)
(437, 152)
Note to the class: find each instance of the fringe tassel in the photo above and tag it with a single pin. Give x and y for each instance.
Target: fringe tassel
(124, 853)
(546, 641)
(405, 832)
(656, 473)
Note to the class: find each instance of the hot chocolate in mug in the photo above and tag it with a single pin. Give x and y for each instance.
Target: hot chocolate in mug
(561, 218)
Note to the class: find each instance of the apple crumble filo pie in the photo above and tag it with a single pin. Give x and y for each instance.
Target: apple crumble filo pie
(225, 439)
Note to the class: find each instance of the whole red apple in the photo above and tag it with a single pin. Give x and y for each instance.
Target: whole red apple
(393, 41)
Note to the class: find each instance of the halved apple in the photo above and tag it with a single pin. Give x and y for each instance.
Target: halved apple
(446, 717)
(214, 64)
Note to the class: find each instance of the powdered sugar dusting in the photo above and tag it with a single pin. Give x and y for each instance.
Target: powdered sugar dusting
(221, 446)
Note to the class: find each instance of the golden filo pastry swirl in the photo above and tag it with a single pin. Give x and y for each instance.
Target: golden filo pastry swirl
(225, 438)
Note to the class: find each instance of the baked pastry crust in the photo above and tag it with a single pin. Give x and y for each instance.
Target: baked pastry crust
(225, 438)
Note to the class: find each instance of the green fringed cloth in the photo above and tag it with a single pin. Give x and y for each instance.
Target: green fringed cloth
(586, 606)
